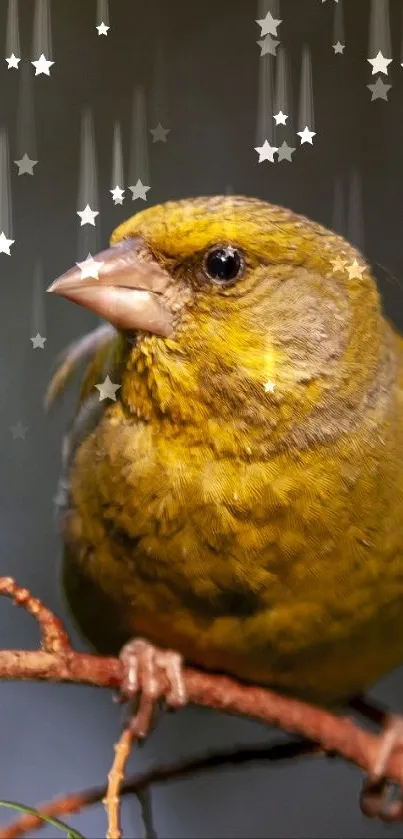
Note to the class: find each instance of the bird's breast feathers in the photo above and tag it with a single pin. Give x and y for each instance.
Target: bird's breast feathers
(235, 561)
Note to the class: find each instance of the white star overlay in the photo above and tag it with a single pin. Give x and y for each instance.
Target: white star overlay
(38, 342)
(87, 215)
(139, 191)
(355, 270)
(285, 152)
(5, 243)
(338, 264)
(379, 89)
(90, 267)
(379, 64)
(12, 62)
(306, 135)
(103, 29)
(268, 24)
(268, 45)
(42, 65)
(339, 48)
(159, 133)
(25, 165)
(18, 430)
(266, 152)
(280, 118)
(117, 195)
(107, 390)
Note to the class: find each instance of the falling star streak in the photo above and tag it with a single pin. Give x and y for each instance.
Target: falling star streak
(265, 122)
(264, 6)
(88, 235)
(282, 83)
(355, 222)
(117, 156)
(103, 12)
(379, 30)
(159, 94)
(138, 163)
(6, 225)
(339, 36)
(306, 110)
(26, 135)
(339, 211)
(38, 324)
(42, 37)
(228, 213)
(158, 100)
(12, 35)
(401, 46)
(282, 97)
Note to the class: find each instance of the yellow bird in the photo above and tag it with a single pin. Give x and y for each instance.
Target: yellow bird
(233, 480)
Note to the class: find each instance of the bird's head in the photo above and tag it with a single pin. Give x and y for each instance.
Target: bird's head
(246, 316)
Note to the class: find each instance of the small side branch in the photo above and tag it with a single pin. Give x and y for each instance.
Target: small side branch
(115, 780)
(53, 635)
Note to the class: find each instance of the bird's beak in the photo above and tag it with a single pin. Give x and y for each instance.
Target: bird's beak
(121, 286)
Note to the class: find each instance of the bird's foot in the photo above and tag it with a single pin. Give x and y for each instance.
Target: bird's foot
(150, 674)
(375, 793)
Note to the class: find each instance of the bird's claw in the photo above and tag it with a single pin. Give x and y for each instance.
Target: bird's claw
(150, 674)
(374, 796)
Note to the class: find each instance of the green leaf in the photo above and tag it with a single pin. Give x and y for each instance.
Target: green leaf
(70, 832)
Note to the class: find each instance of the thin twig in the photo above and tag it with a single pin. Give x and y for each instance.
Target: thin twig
(53, 635)
(115, 779)
(163, 773)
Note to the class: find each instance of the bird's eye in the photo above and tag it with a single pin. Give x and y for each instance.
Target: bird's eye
(223, 264)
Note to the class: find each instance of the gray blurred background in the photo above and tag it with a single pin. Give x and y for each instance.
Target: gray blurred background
(196, 68)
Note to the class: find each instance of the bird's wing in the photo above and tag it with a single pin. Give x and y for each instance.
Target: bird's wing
(103, 349)
(97, 346)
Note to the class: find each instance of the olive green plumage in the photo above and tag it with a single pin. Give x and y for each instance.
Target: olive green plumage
(242, 500)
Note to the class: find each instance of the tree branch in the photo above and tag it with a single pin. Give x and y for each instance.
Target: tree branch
(58, 662)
